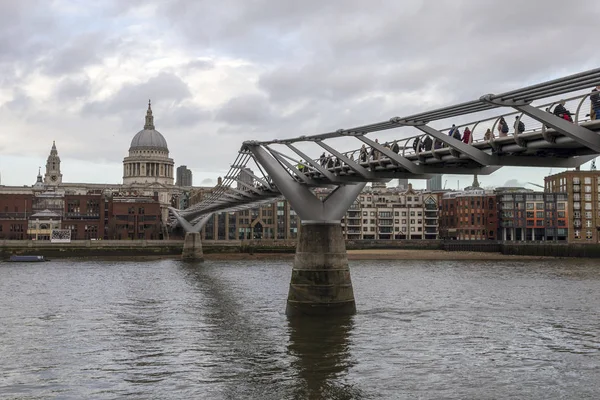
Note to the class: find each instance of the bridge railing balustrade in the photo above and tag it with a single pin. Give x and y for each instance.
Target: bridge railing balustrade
(579, 106)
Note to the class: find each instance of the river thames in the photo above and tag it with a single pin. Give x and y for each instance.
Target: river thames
(424, 329)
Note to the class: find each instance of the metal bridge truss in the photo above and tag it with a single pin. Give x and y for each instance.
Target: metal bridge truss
(286, 169)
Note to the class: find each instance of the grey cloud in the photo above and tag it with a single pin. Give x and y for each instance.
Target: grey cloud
(73, 88)
(83, 51)
(207, 181)
(186, 115)
(246, 110)
(20, 103)
(25, 27)
(163, 88)
(199, 65)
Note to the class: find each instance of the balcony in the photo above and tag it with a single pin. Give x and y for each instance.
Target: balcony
(353, 223)
(14, 215)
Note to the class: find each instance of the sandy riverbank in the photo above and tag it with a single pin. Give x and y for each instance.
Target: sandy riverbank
(384, 255)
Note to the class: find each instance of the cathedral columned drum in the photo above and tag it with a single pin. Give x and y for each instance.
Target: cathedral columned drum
(148, 159)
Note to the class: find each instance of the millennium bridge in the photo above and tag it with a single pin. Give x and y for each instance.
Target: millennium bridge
(344, 160)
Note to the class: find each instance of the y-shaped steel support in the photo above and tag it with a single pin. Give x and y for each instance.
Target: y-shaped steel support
(192, 245)
(320, 283)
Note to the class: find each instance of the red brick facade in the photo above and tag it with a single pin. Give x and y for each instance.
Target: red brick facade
(14, 211)
(89, 216)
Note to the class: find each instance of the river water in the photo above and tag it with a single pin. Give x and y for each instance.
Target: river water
(424, 330)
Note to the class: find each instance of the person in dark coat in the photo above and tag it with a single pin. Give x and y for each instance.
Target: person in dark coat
(427, 143)
(451, 131)
(395, 147)
(415, 144)
(456, 134)
(561, 111)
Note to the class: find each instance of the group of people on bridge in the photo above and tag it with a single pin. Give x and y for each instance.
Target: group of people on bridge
(426, 143)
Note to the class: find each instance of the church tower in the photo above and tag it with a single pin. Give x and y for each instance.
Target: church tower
(53, 175)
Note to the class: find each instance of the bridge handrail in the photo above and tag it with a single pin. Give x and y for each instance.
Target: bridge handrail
(537, 126)
(579, 81)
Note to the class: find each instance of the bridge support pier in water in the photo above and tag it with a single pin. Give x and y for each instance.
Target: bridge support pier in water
(192, 247)
(321, 283)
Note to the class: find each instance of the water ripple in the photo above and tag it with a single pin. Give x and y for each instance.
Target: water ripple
(171, 330)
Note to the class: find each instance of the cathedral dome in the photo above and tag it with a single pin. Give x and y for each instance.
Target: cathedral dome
(149, 137)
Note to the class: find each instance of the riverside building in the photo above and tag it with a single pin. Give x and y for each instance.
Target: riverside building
(379, 213)
(582, 189)
(526, 216)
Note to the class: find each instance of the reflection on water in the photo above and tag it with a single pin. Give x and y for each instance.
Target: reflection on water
(173, 330)
(321, 347)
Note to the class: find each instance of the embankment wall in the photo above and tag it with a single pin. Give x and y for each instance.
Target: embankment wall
(132, 248)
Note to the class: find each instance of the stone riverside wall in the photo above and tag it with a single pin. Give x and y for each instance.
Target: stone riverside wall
(91, 248)
(128, 248)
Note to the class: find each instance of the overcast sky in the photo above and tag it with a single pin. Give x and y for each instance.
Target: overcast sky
(220, 72)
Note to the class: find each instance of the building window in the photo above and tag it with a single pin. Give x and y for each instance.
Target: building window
(587, 180)
(530, 206)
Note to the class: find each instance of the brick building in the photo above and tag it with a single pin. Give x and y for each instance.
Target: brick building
(15, 209)
(582, 189)
(133, 218)
(469, 215)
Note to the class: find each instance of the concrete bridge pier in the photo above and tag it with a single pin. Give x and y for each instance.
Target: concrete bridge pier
(321, 283)
(192, 247)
